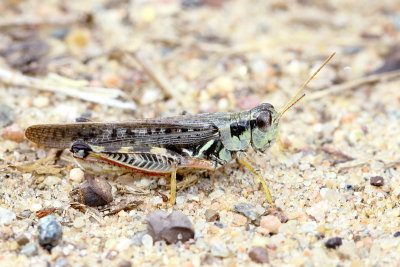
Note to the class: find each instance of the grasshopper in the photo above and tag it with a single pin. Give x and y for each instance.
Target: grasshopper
(164, 146)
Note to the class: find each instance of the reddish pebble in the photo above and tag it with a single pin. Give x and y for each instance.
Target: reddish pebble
(271, 223)
(14, 133)
(259, 255)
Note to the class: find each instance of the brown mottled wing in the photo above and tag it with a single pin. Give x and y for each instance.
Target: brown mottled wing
(176, 131)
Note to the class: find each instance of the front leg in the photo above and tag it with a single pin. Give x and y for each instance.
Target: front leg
(245, 161)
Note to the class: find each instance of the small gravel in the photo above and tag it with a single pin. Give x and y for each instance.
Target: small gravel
(270, 223)
(50, 232)
(211, 215)
(6, 216)
(377, 181)
(7, 116)
(259, 255)
(29, 250)
(247, 210)
(334, 242)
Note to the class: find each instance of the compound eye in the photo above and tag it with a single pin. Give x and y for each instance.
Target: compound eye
(263, 121)
(80, 149)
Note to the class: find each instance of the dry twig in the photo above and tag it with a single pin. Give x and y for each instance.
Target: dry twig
(19, 21)
(158, 77)
(353, 84)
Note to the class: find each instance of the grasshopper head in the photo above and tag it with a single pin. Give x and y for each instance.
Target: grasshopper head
(264, 126)
(265, 119)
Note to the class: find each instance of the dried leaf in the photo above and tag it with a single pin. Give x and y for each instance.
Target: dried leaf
(125, 204)
(44, 212)
(41, 166)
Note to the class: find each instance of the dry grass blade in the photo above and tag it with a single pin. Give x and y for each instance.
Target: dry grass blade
(76, 89)
(354, 84)
(39, 21)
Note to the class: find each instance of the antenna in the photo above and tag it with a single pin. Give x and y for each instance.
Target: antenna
(300, 94)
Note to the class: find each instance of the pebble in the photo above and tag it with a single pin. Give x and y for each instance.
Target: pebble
(211, 215)
(247, 210)
(76, 175)
(61, 262)
(259, 255)
(7, 116)
(95, 191)
(125, 263)
(79, 222)
(36, 207)
(14, 133)
(331, 195)
(279, 213)
(29, 250)
(309, 227)
(377, 181)
(6, 216)
(150, 96)
(334, 242)
(147, 241)
(270, 223)
(77, 39)
(221, 85)
(172, 227)
(41, 101)
(239, 220)
(22, 240)
(25, 214)
(318, 210)
(137, 238)
(50, 232)
(220, 250)
(51, 180)
(258, 67)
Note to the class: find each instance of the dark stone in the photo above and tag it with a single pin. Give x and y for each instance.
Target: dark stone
(377, 181)
(50, 232)
(172, 227)
(334, 242)
(95, 191)
(259, 255)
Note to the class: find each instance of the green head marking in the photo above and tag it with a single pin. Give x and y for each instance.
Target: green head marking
(264, 126)
(265, 119)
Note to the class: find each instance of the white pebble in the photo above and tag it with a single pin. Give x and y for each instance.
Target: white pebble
(6, 216)
(318, 210)
(309, 227)
(150, 96)
(41, 101)
(180, 200)
(147, 241)
(36, 207)
(79, 222)
(51, 180)
(271, 223)
(76, 175)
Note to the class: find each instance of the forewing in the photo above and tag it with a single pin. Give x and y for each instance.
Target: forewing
(177, 132)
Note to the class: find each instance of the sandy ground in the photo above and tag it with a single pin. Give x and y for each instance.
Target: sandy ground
(169, 57)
